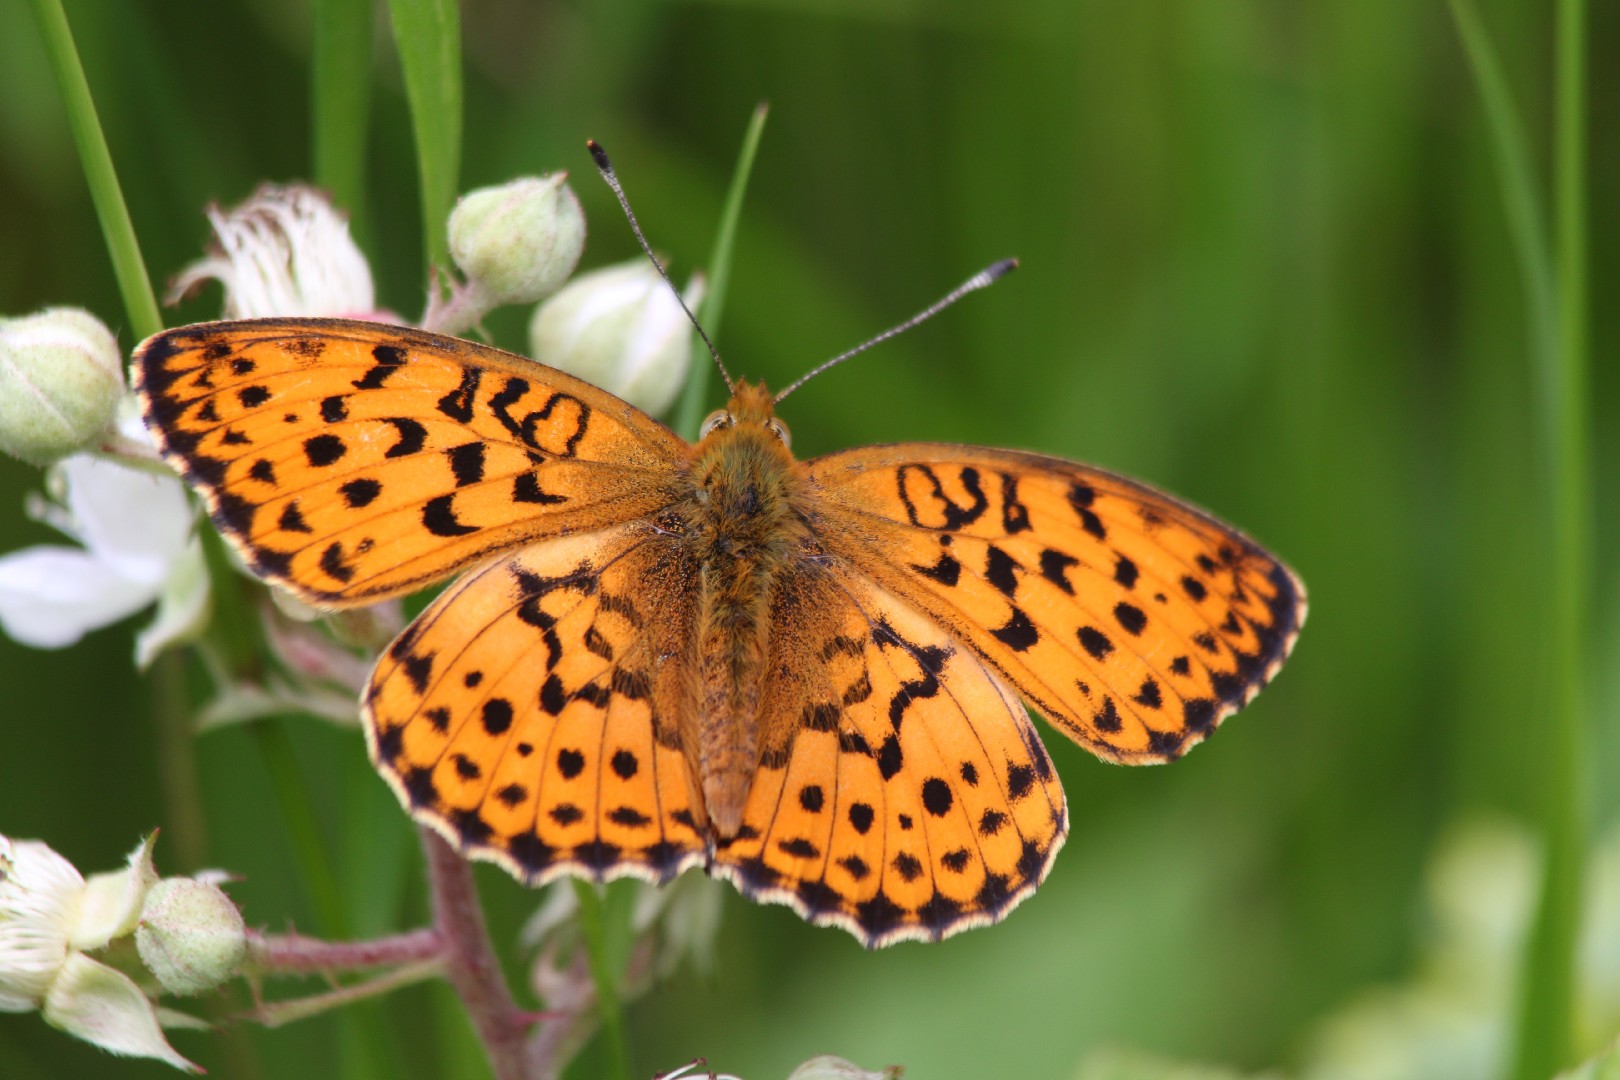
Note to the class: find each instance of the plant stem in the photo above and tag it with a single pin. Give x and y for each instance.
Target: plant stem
(177, 761)
(1547, 1009)
(593, 925)
(276, 1013)
(290, 954)
(140, 305)
(470, 962)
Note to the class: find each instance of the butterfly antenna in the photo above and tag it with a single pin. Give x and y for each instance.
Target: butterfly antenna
(986, 277)
(605, 167)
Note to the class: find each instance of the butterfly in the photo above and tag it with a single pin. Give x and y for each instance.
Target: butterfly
(807, 677)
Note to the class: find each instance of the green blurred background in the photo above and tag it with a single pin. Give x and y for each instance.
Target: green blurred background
(1264, 266)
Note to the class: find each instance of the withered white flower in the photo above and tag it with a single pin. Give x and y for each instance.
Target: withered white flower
(50, 918)
(285, 251)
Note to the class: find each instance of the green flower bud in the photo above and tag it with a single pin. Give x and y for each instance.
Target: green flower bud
(190, 935)
(61, 378)
(621, 328)
(518, 242)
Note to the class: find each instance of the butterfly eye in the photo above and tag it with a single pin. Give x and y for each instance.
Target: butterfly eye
(780, 430)
(718, 419)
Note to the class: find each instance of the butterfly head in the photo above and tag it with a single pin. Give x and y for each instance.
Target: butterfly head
(751, 406)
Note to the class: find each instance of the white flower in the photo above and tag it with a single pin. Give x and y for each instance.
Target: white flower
(621, 328)
(286, 251)
(50, 917)
(139, 547)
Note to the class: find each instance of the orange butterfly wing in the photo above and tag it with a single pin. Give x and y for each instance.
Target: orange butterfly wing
(903, 792)
(528, 716)
(352, 461)
(1132, 621)
(523, 715)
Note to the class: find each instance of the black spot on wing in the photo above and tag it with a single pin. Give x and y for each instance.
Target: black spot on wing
(1019, 633)
(323, 450)
(412, 436)
(439, 518)
(388, 359)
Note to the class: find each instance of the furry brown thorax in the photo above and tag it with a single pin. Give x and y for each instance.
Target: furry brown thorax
(744, 533)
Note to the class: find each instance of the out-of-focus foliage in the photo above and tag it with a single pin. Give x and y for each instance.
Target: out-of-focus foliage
(1264, 266)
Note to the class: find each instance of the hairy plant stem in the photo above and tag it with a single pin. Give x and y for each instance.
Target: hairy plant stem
(288, 954)
(470, 962)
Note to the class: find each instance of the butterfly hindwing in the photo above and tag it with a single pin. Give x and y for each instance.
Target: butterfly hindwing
(525, 714)
(1134, 622)
(352, 461)
(903, 792)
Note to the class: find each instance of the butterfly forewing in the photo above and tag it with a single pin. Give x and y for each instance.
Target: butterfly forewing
(351, 461)
(1134, 622)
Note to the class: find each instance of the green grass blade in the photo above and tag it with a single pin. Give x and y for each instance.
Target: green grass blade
(140, 304)
(341, 99)
(1557, 318)
(427, 34)
(1547, 1010)
(1521, 198)
(694, 396)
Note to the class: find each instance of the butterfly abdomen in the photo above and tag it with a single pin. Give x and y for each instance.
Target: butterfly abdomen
(743, 532)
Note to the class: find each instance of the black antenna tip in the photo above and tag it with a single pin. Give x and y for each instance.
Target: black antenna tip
(599, 155)
(1000, 269)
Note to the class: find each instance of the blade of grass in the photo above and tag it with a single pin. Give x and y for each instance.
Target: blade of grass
(694, 396)
(1557, 320)
(341, 99)
(140, 304)
(1546, 1036)
(1521, 200)
(427, 34)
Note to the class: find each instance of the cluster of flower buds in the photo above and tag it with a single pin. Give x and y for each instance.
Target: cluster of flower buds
(63, 938)
(619, 327)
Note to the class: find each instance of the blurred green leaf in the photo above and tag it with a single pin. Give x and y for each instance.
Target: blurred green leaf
(341, 72)
(1606, 1066)
(427, 34)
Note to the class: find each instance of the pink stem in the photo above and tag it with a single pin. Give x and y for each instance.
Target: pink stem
(295, 954)
(470, 962)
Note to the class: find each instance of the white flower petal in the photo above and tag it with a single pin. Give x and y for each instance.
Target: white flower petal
(105, 1007)
(112, 901)
(52, 596)
(135, 521)
(39, 902)
(182, 607)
